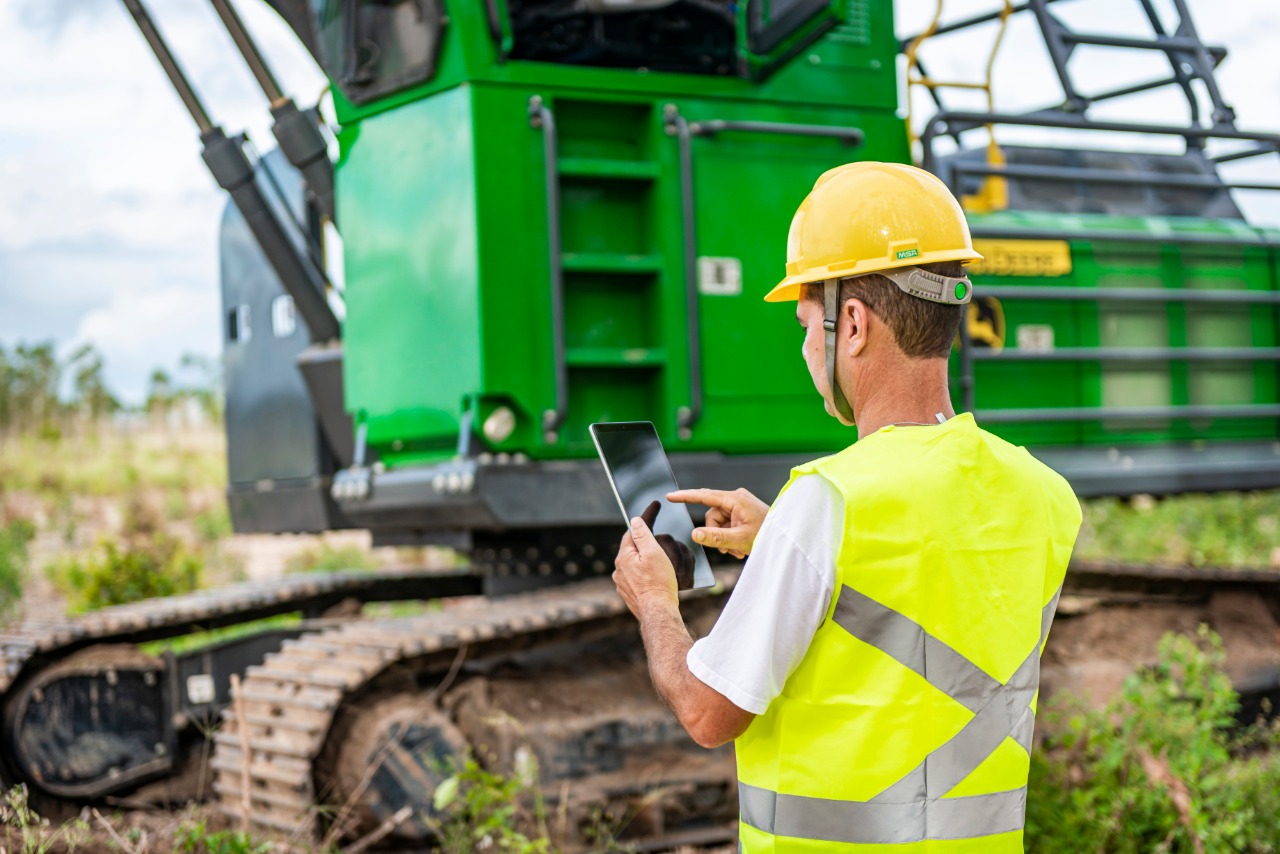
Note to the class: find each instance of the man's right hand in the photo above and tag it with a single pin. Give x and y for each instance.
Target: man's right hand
(733, 518)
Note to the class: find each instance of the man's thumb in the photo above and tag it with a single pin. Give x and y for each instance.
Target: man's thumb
(640, 533)
(708, 537)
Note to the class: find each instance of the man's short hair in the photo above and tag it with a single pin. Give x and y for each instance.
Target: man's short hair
(923, 329)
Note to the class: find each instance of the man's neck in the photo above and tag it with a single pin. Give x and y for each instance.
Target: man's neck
(909, 391)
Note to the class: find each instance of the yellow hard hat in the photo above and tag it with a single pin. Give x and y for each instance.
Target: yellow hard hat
(866, 217)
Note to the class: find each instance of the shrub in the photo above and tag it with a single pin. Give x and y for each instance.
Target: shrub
(1163, 768)
(138, 568)
(482, 811)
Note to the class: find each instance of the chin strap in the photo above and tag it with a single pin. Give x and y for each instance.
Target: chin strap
(831, 303)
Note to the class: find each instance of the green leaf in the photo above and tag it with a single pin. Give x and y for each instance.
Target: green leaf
(446, 793)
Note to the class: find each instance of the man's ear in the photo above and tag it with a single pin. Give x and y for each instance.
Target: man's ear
(856, 326)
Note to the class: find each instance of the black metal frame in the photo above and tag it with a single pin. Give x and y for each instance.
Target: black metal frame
(1189, 59)
(955, 122)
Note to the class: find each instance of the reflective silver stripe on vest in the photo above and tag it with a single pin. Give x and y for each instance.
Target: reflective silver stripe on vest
(860, 822)
(906, 641)
(1003, 712)
(915, 807)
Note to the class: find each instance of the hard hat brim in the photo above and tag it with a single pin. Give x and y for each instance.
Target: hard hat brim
(789, 289)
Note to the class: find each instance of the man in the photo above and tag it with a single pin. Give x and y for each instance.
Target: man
(878, 661)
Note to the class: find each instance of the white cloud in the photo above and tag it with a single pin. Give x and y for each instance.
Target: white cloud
(145, 328)
(108, 217)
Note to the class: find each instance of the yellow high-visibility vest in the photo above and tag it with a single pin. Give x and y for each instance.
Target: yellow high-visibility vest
(907, 726)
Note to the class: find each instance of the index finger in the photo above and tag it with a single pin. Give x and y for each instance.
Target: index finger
(709, 497)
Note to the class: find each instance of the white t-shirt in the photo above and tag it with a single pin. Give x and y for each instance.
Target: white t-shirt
(780, 600)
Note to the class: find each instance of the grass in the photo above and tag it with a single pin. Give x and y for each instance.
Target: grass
(195, 837)
(109, 462)
(197, 640)
(1229, 529)
(194, 831)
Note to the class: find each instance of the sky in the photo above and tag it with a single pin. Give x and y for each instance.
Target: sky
(109, 219)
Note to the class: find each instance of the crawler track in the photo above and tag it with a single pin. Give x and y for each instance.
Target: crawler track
(286, 706)
(27, 644)
(1144, 582)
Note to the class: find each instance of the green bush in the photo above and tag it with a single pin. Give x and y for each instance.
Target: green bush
(1163, 768)
(137, 568)
(15, 535)
(479, 810)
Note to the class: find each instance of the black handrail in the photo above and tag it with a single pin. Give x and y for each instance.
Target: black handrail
(948, 121)
(1071, 174)
(689, 415)
(849, 136)
(540, 116)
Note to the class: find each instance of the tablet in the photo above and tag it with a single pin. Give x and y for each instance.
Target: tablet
(640, 474)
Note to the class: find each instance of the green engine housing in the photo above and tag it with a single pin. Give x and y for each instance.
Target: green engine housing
(443, 206)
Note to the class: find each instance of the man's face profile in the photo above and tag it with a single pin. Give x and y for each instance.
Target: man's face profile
(814, 350)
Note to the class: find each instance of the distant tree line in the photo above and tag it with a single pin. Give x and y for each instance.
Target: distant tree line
(42, 394)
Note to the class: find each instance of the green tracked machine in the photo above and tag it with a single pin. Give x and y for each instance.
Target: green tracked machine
(555, 212)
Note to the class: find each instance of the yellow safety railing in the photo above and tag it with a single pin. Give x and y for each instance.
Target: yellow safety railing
(994, 193)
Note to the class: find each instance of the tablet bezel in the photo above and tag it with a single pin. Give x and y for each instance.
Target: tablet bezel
(644, 426)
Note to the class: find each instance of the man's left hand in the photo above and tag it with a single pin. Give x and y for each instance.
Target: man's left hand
(643, 572)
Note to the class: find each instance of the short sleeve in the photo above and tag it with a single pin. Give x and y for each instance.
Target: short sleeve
(780, 600)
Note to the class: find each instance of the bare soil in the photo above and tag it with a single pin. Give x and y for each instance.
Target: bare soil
(1093, 646)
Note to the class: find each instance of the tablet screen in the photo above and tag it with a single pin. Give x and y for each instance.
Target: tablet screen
(641, 474)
